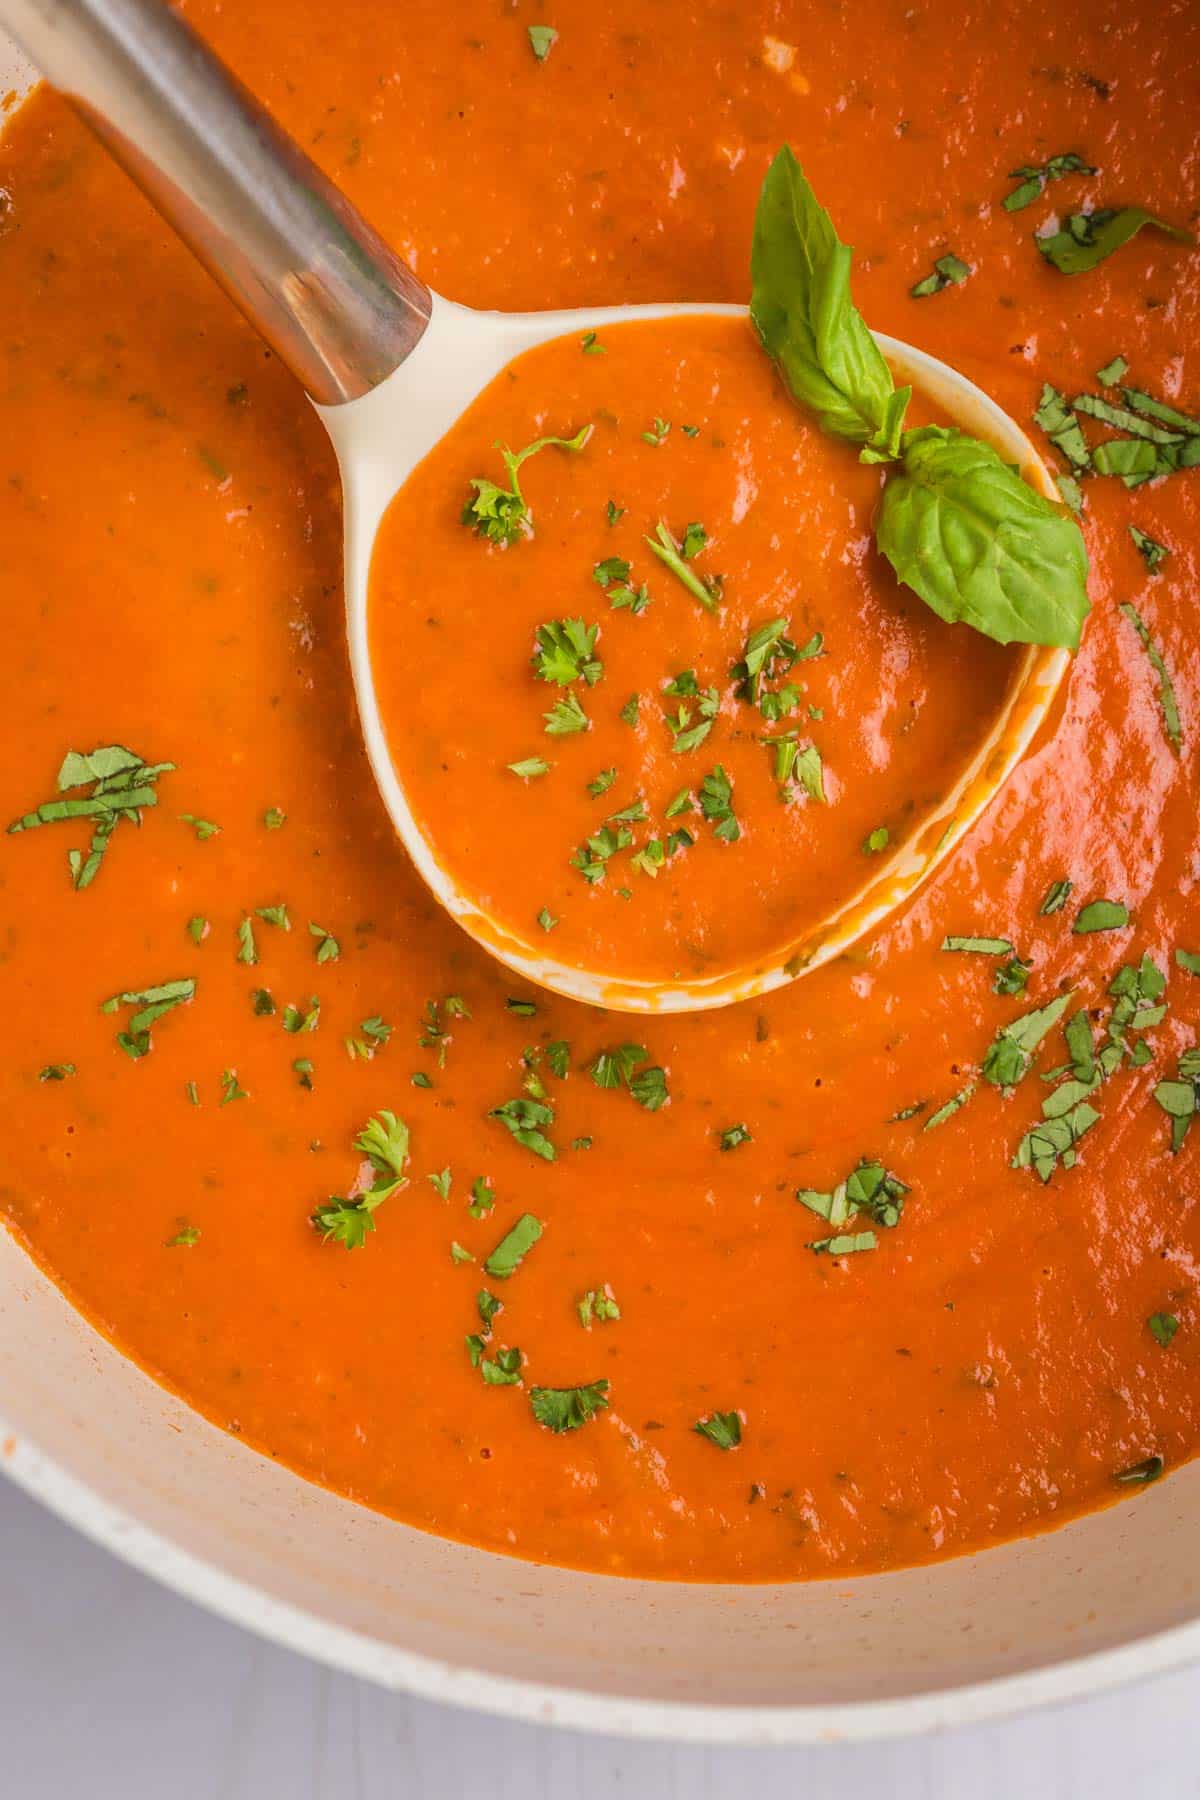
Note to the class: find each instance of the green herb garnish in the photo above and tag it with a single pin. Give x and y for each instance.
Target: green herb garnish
(1033, 178)
(948, 271)
(1085, 239)
(566, 1409)
(958, 525)
(120, 784)
(722, 1429)
(502, 515)
(1172, 725)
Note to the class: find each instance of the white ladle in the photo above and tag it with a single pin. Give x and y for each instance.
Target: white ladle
(390, 367)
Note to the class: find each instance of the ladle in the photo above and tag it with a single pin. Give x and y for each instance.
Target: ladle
(390, 366)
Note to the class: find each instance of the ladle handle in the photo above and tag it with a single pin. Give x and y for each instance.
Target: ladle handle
(322, 287)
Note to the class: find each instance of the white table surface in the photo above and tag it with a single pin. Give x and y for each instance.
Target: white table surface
(111, 1688)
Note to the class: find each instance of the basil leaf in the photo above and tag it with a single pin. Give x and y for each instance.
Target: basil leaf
(1085, 239)
(962, 529)
(801, 308)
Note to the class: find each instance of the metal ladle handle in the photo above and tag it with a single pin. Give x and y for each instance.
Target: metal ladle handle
(321, 286)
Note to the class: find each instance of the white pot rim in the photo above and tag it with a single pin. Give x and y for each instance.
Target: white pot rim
(750, 1725)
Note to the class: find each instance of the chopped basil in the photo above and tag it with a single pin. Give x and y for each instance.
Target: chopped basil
(948, 271)
(948, 1108)
(184, 1238)
(1085, 239)
(1162, 1327)
(845, 1246)
(274, 818)
(1152, 553)
(876, 840)
(1169, 706)
(56, 1071)
(1149, 1469)
(1011, 1051)
(1112, 372)
(203, 828)
(530, 767)
(1056, 897)
(732, 1136)
(1033, 178)
(1101, 915)
(980, 946)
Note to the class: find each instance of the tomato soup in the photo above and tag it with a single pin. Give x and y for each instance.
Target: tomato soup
(669, 748)
(809, 1286)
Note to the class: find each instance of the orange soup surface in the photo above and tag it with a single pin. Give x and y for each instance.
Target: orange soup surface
(674, 780)
(601, 1310)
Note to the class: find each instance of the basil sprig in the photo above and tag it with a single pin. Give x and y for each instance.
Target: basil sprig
(957, 523)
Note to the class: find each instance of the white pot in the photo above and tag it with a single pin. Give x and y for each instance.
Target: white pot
(1066, 1613)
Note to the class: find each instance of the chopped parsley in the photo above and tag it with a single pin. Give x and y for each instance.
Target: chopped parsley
(296, 1019)
(203, 828)
(1162, 1327)
(542, 39)
(876, 840)
(56, 1072)
(707, 589)
(546, 919)
(483, 1198)
(526, 1119)
(629, 712)
(384, 1142)
(274, 915)
(716, 804)
(722, 1429)
(151, 1004)
(274, 818)
(566, 1409)
(733, 1135)
(601, 783)
(327, 949)
(120, 784)
(247, 950)
(598, 1304)
(440, 1182)
(657, 433)
(231, 1088)
(502, 515)
(565, 717)
(618, 1068)
(530, 767)
(184, 1238)
(565, 652)
(590, 344)
(513, 1247)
